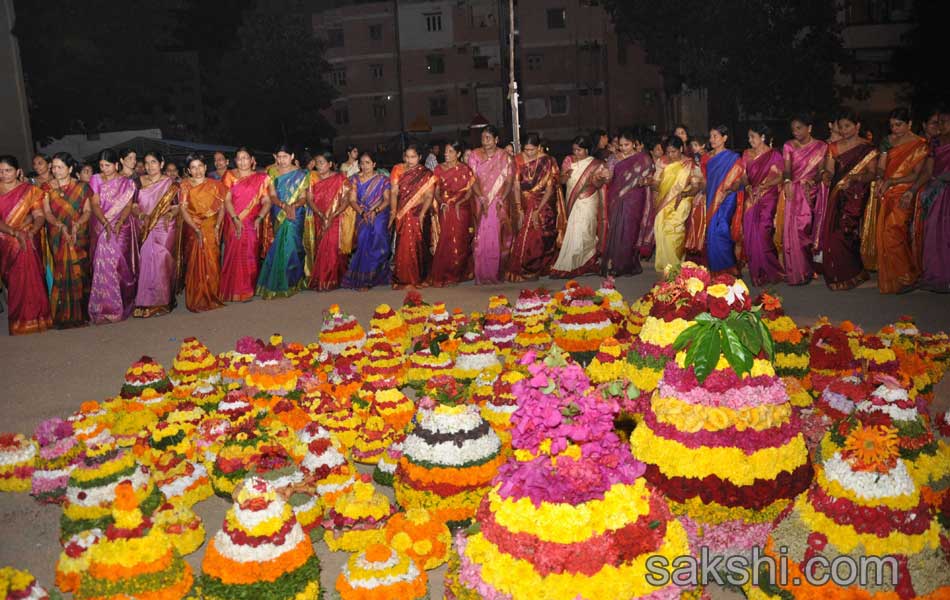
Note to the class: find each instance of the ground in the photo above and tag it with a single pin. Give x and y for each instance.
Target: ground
(50, 374)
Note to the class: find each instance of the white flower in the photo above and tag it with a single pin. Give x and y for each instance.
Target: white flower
(257, 554)
(869, 485)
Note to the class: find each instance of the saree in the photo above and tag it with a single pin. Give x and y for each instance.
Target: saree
(534, 247)
(203, 273)
(369, 265)
(626, 202)
(69, 263)
(492, 235)
(723, 171)
(758, 224)
(896, 264)
(411, 253)
(585, 222)
(669, 224)
(239, 265)
(329, 262)
(115, 256)
(452, 240)
(799, 231)
(935, 213)
(282, 272)
(22, 268)
(158, 266)
(840, 240)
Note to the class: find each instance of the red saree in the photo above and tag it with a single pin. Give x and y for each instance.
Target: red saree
(412, 253)
(21, 268)
(534, 248)
(329, 262)
(452, 256)
(239, 264)
(203, 273)
(896, 264)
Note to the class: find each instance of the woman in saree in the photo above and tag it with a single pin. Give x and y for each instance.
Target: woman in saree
(803, 156)
(21, 216)
(201, 200)
(586, 222)
(329, 197)
(42, 173)
(370, 198)
(935, 212)
(494, 175)
(157, 214)
(220, 166)
(902, 157)
(763, 166)
(538, 198)
(848, 172)
(412, 188)
(351, 166)
(114, 243)
(67, 209)
(723, 178)
(246, 204)
(675, 183)
(127, 161)
(452, 239)
(626, 201)
(282, 272)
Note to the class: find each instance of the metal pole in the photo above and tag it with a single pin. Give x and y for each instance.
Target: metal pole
(402, 113)
(512, 84)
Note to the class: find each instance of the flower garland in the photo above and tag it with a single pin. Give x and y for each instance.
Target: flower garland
(381, 573)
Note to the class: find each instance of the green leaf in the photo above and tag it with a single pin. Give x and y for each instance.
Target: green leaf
(748, 333)
(654, 524)
(766, 337)
(633, 392)
(706, 318)
(707, 354)
(686, 336)
(434, 348)
(739, 357)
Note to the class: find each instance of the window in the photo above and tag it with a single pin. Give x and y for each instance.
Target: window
(480, 62)
(335, 37)
(338, 76)
(376, 71)
(435, 64)
(438, 106)
(433, 21)
(863, 12)
(535, 61)
(379, 109)
(341, 115)
(557, 18)
(874, 65)
(375, 32)
(558, 105)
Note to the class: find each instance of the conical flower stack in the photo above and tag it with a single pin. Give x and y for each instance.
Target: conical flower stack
(194, 363)
(791, 348)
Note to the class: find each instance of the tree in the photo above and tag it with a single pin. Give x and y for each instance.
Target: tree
(768, 59)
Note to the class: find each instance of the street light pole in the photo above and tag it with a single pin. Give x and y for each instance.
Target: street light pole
(512, 84)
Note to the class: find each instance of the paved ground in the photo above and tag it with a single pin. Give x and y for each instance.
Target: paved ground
(50, 374)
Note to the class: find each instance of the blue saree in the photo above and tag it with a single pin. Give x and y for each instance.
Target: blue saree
(282, 273)
(369, 264)
(722, 171)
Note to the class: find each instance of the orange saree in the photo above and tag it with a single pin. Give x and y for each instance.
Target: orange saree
(203, 274)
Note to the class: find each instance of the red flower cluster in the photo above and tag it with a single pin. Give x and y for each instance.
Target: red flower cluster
(877, 520)
(756, 496)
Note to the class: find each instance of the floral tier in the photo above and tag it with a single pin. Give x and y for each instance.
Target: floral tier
(381, 573)
(791, 348)
(17, 462)
(582, 325)
(59, 453)
(340, 331)
(145, 373)
(194, 363)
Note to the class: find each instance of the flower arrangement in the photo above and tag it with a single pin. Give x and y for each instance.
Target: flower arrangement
(17, 462)
(271, 372)
(583, 325)
(59, 453)
(134, 558)
(422, 537)
(439, 322)
(356, 518)
(499, 325)
(340, 331)
(609, 364)
(383, 368)
(20, 585)
(260, 552)
(194, 363)
(503, 403)
(327, 468)
(336, 414)
(476, 356)
(393, 406)
(381, 573)
(234, 460)
(531, 304)
(74, 559)
(415, 313)
(386, 466)
(830, 356)
(791, 347)
(145, 373)
(182, 527)
(392, 325)
(426, 363)
(532, 336)
(374, 437)
(181, 481)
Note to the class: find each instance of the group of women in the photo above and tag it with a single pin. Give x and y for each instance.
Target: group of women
(79, 248)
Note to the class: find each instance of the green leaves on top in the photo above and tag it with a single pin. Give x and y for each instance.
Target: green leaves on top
(740, 337)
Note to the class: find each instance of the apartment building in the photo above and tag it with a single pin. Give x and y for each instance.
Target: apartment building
(434, 68)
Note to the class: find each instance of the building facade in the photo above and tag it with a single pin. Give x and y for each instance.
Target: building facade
(15, 136)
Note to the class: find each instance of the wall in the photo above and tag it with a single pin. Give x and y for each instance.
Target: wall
(15, 136)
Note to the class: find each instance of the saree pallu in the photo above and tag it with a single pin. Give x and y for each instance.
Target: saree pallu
(647, 242)
(411, 254)
(534, 247)
(669, 225)
(585, 223)
(369, 265)
(493, 236)
(158, 253)
(626, 202)
(69, 263)
(896, 265)
(115, 257)
(935, 209)
(22, 268)
(282, 272)
(758, 225)
(452, 257)
(799, 231)
(203, 273)
(840, 240)
(239, 264)
(723, 171)
(329, 262)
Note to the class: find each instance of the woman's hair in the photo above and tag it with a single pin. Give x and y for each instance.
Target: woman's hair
(349, 148)
(630, 135)
(531, 139)
(67, 159)
(196, 156)
(9, 159)
(108, 155)
(683, 127)
(458, 146)
(674, 142)
(901, 113)
(722, 129)
(803, 118)
(368, 154)
(595, 134)
(245, 150)
(171, 163)
(415, 147)
(582, 141)
(45, 157)
(285, 148)
(326, 154)
(763, 130)
(847, 114)
(698, 140)
(154, 154)
(221, 152)
(124, 152)
(491, 129)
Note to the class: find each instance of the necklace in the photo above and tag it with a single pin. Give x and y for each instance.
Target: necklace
(531, 167)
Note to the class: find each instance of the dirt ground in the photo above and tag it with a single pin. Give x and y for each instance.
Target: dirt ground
(50, 374)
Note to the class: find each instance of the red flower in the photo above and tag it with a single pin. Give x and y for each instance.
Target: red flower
(719, 307)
